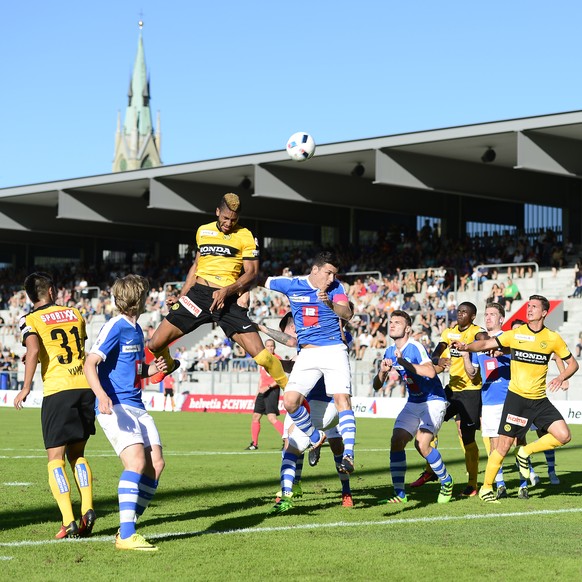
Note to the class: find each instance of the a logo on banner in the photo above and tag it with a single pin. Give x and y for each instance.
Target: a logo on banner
(373, 407)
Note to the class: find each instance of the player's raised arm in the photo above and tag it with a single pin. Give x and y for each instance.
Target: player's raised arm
(477, 346)
(278, 336)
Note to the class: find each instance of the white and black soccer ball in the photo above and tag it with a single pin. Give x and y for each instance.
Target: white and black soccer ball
(300, 146)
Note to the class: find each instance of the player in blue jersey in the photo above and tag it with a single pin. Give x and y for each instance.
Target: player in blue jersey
(114, 368)
(318, 304)
(423, 414)
(324, 416)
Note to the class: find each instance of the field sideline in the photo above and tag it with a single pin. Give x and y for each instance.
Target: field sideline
(209, 516)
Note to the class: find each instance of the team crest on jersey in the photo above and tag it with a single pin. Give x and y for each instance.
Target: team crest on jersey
(543, 345)
(190, 306)
(208, 233)
(507, 427)
(517, 420)
(62, 316)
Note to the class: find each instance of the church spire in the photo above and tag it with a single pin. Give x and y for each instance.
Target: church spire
(137, 146)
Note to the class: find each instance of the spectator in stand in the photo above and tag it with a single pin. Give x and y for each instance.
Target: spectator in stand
(577, 280)
(365, 340)
(452, 315)
(511, 294)
(495, 295)
(411, 305)
(579, 346)
(557, 260)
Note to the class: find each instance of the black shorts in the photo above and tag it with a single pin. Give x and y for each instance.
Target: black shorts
(67, 417)
(268, 402)
(520, 413)
(193, 310)
(169, 392)
(465, 406)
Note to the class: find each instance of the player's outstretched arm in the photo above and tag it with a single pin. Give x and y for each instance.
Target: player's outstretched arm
(278, 336)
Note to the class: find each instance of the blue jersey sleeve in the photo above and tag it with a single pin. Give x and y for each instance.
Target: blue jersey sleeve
(107, 341)
(281, 284)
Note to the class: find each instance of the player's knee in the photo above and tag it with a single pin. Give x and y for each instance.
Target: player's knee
(291, 401)
(564, 435)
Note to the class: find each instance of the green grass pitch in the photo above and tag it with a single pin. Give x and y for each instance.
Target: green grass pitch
(209, 517)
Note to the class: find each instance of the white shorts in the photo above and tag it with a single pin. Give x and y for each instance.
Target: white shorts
(311, 364)
(490, 419)
(427, 416)
(324, 416)
(128, 425)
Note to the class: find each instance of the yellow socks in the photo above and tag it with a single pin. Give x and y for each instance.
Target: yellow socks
(544, 443)
(165, 353)
(472, 463)
(493, 464)
(61, 489)
(84, 479)
(273, 366)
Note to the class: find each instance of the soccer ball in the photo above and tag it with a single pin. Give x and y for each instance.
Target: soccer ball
(300, 146)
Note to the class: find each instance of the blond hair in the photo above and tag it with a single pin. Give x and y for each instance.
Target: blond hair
(230, 201)
(129, 294)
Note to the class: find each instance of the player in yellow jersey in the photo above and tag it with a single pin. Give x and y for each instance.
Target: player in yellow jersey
(464, 393)
(226, 265)
(532, 346)
(55, 336)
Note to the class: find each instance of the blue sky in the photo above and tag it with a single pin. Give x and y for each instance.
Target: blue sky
(234, 78)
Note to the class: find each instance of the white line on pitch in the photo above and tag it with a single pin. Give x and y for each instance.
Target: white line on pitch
(307, 526)
(201, 453)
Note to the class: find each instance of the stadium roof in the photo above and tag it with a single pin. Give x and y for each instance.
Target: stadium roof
(536, 160)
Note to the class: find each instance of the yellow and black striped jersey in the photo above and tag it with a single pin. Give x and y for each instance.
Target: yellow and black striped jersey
(222, 255)
(459, 380)
(531, 353)
(61, 334)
